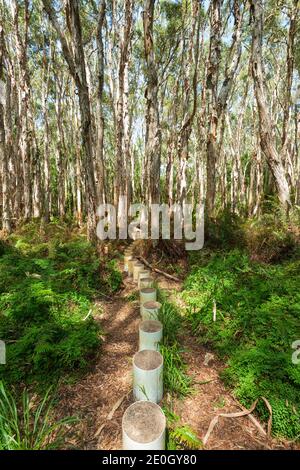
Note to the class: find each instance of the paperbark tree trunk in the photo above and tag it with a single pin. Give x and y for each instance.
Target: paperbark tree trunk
(218, 101)
(211, 84)
(24, 93)
(100, 115)
(75, 59)
(190, 80)
(61, 149)
(290, 58)
(6, 216)
(266, 126)
(122, 144)
(153, 131)
(47, 167)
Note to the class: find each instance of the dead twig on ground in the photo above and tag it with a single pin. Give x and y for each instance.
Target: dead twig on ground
(111, 414)
(251, 418)
(159, 271)
(239, 414)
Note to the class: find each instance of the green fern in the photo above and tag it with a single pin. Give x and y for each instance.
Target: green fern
(184, 438)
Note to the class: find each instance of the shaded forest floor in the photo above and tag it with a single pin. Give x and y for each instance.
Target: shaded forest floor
(71, 318)
(101, 397)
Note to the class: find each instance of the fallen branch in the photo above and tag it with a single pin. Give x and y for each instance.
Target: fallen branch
(159, 271)
(270, 417)
(215, 420)
(106, 296)
(116, 406)
(204, 382)
(111, 414)
(251, 418)
(87, 316)
(158, 262)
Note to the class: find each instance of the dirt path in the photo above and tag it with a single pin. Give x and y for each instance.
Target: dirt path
(94, 397)
(109, 386)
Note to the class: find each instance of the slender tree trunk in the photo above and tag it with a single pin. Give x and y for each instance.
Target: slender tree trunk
(259, 183)
(47, 169)
(218, 101)
(74, 25)
(61, 150)
(297, 162)
(127, 136)
(289, 75)
(12, 116)
(24, 136)
(190, 80)
(37, 205)
(100, 115)
(122, 146)
(78, 171)
(211, 83)
(170, 170)
(75, 59)
(266, 126)
(153, 131)
(6, 216)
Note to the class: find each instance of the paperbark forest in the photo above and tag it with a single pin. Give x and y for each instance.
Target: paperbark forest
(161, 101)
(171, 327)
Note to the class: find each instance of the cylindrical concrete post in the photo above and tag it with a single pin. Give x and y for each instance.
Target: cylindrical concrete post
(137, 268)
(144, 427)
(144, 274)
(150, 335)
(150, 310)
(148, 376)
(130, 266)
(146, 282)
(127, 258)
(147, 294)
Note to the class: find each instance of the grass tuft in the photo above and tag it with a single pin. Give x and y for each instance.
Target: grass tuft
(30, 425)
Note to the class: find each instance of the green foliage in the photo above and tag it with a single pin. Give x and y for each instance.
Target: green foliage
(170, 319)
(29, 425)
(114, 279)
(224, 231)
(185, 438)
(133, 296)
(49, 279)
(45, 352)
(176, 380)
(180, 437)
(269, 238)
(258, 317)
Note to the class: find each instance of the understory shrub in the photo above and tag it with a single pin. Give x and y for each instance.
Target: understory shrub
(269, 238)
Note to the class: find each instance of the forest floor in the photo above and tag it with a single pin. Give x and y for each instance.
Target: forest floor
(101, 397)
